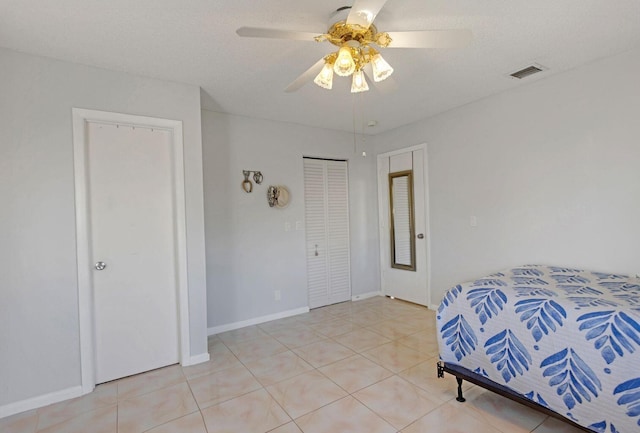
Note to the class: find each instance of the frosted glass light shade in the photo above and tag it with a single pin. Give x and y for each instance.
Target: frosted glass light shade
(325, 78)
(381, 69)
(359, 83)
(344, 65)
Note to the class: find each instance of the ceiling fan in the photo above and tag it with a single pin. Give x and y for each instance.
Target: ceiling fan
(355, 38)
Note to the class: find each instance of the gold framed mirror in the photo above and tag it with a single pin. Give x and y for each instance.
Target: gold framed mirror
(402, 228)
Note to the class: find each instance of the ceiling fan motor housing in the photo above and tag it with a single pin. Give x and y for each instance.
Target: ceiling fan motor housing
(341, 33)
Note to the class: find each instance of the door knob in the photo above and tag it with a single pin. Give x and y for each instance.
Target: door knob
(100, 265)
(420, 236)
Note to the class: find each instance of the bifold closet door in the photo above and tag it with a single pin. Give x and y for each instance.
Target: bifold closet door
(326, 186)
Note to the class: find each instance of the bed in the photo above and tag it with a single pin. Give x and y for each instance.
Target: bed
(564, 341)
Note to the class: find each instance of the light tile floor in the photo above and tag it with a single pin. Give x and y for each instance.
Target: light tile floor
(357, 367)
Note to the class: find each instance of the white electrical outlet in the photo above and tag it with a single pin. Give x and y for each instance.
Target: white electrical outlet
(473, 221)
(277, 295)
(287, 226)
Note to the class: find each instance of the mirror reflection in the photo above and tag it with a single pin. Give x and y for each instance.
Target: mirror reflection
(403, 250)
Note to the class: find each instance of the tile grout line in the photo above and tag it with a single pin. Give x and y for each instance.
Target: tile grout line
(117, 409)
(196, 401)
(265, 388)
(317, 322)
(349, 394)
(321, 373)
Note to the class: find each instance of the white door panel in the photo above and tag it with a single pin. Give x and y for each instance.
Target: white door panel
(400, 283)
(327, 231)
(132, 231)
(338, 231)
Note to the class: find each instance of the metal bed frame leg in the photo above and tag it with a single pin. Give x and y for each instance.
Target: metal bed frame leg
(460, 398)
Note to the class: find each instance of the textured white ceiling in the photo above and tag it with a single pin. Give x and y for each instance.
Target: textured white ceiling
(194, 41)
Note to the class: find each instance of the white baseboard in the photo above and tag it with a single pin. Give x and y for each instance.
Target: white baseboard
(256, 321)
(197, 359)
(40, 401)
(362, 296)
(433, 307)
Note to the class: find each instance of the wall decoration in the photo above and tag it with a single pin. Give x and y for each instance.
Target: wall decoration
(278, 196)
(247, 186)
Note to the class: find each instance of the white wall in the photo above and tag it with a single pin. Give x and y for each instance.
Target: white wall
(249, 254)
(39, 344)
(551, 170)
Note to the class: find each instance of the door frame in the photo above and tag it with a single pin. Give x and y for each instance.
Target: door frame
(80, 119)
(384, 197)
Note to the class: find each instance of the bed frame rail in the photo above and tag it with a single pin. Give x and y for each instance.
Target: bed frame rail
(462, 373)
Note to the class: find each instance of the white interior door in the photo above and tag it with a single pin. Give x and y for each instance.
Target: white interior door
(133, 246)
(409, 285)
(326, 201)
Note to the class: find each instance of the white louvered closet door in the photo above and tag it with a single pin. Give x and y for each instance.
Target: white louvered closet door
(327, 229)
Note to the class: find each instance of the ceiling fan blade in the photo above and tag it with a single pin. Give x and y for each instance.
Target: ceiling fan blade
(363, 12)
(257, 32)
(430, 39)
(306, 76)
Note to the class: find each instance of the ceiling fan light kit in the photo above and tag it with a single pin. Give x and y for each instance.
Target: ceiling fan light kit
(325, 78)
(381, 69)
(359, 83)
(355, 38)
(355, 52)
(344, 64)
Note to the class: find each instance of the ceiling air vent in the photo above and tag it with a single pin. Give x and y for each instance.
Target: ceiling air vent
(529, 70)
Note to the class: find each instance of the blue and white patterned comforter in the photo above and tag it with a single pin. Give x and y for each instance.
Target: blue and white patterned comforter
(564, 338)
